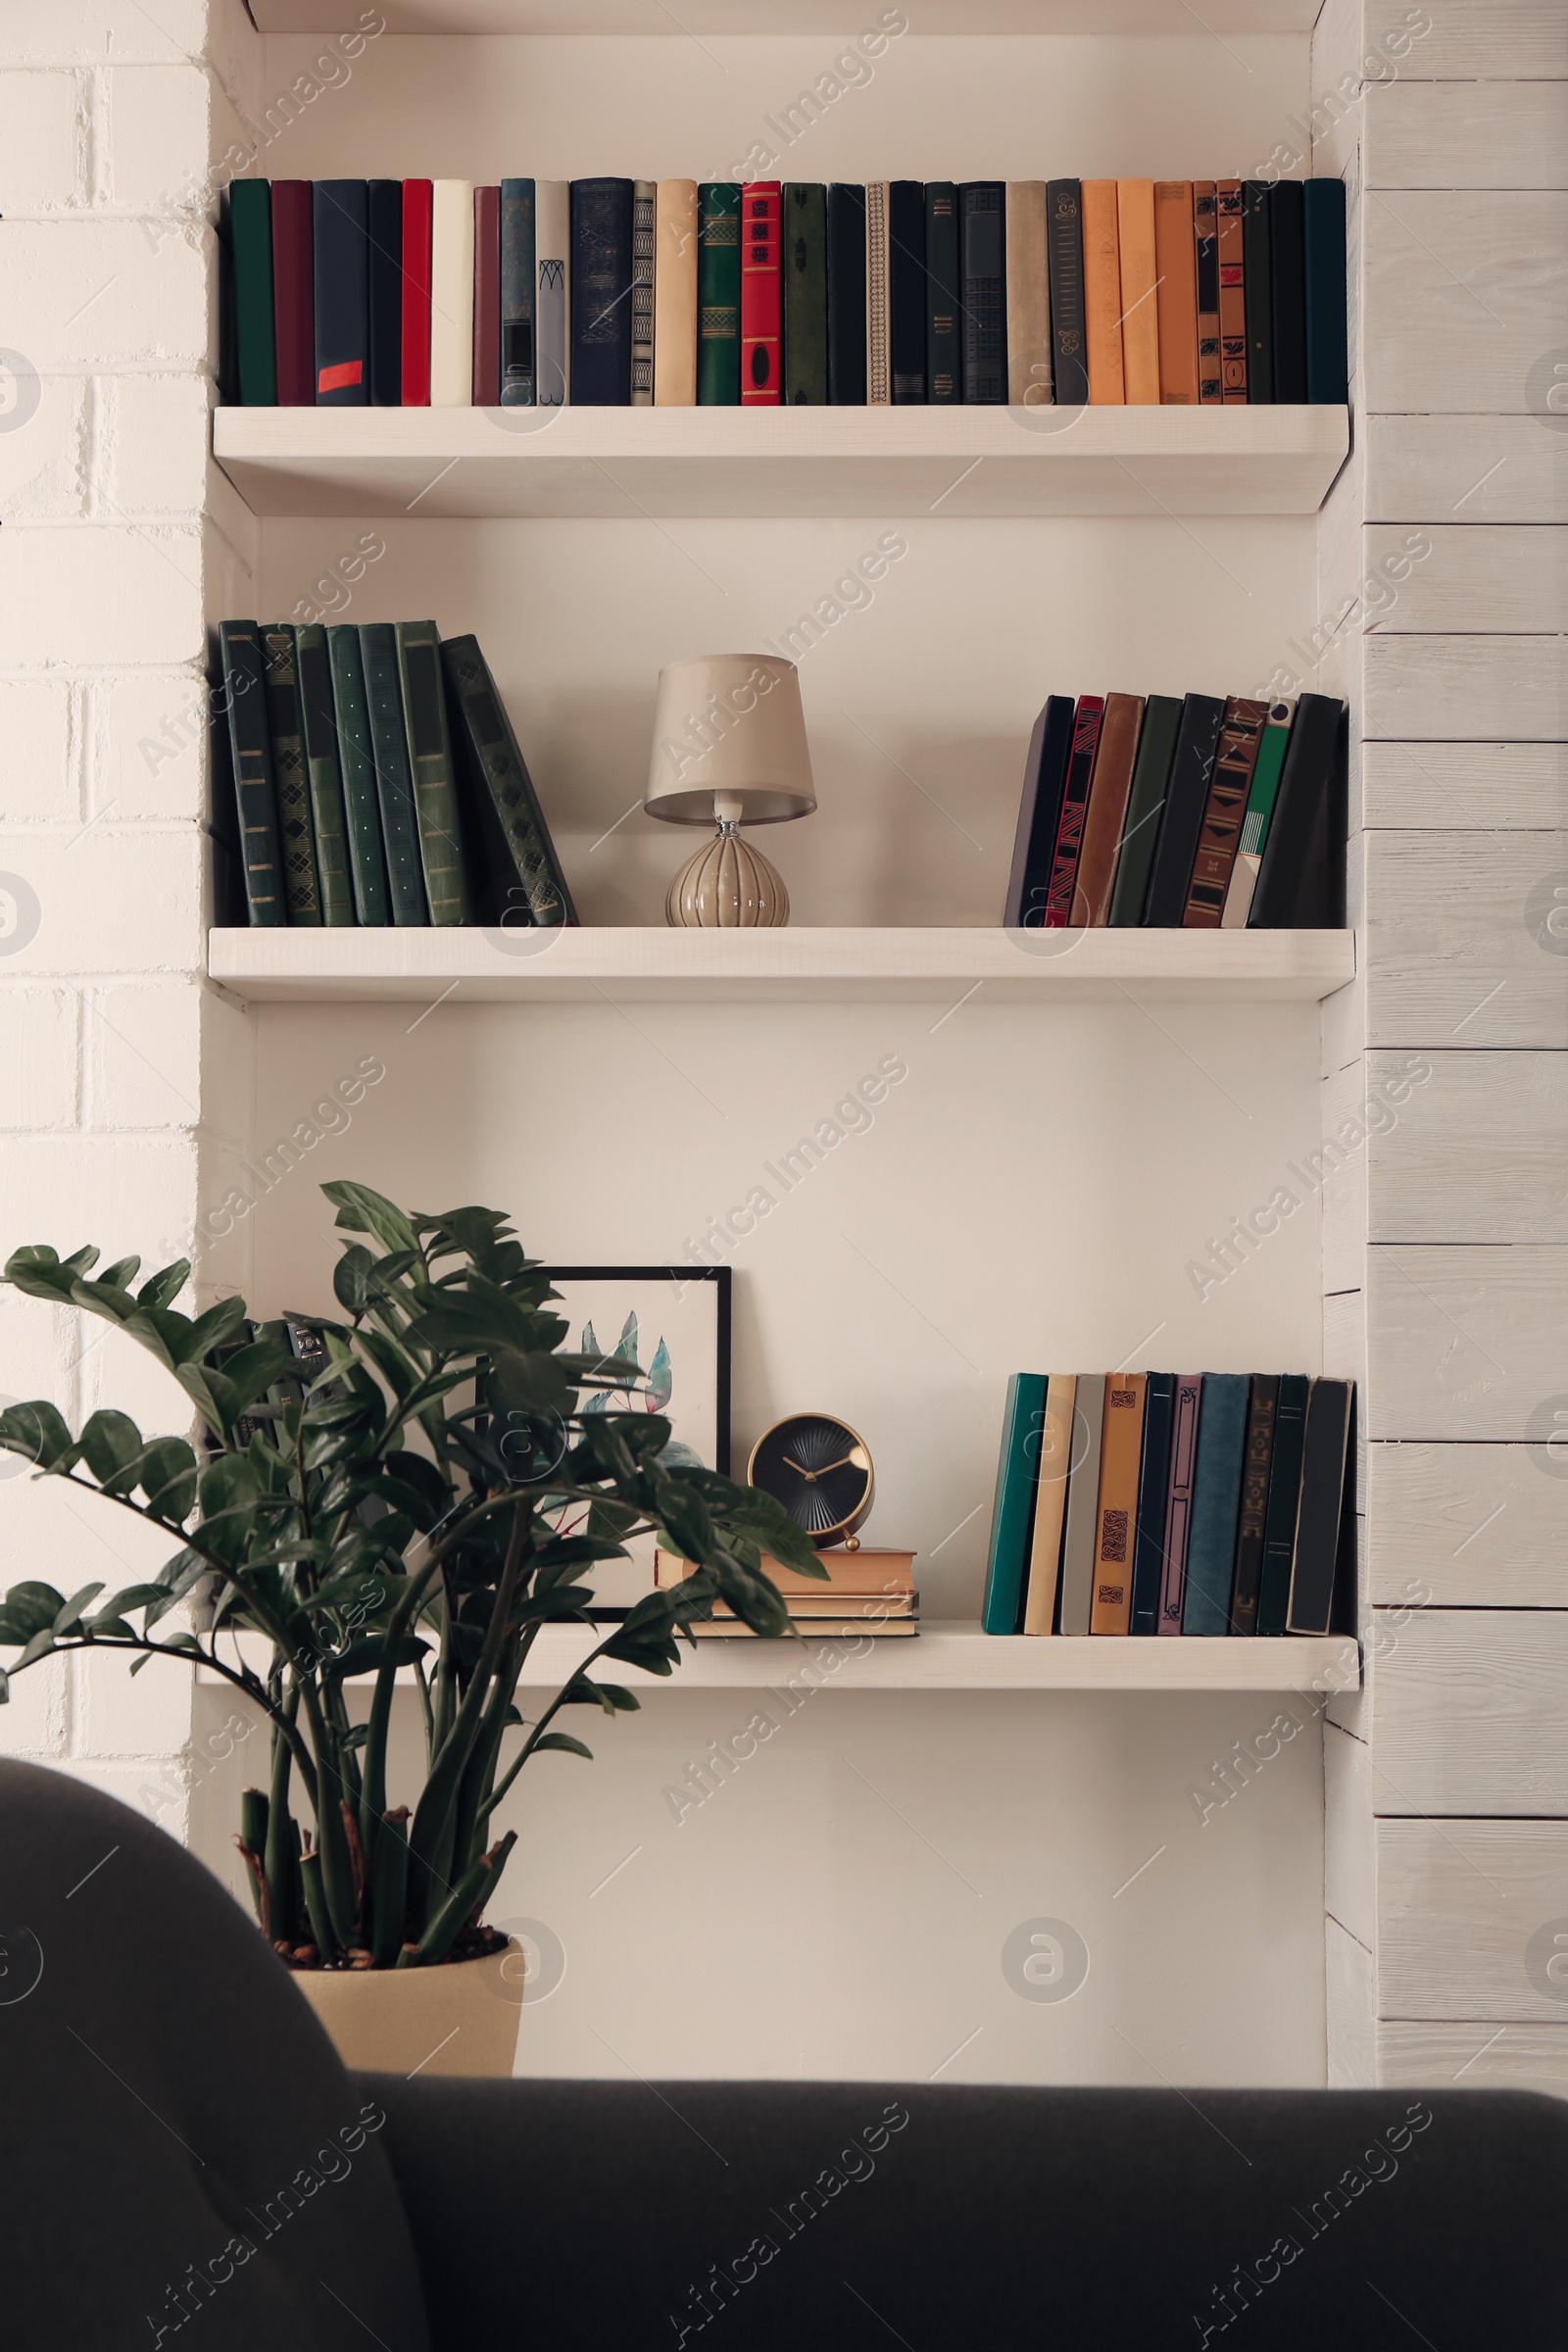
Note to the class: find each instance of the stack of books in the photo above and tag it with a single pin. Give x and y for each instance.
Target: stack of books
(614, 292)
(868, 1591)
(375, 780)
(1171, 1502)
(1200, 815)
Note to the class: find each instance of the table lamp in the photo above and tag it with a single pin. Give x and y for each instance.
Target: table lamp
(729, 750)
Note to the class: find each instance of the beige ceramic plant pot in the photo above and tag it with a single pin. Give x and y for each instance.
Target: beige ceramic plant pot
(458, 2019)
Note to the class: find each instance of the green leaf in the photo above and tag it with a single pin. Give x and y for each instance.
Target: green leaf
(228, 1485)
(30, 1609)
(69, 1611)
(169, 1477)
(113, 1447)
(209, 1332)
(351, 1278)
(5, 1688)
(122, 1273)
(251, 1371)
(37, 1431)
(361, 1211)
(163, 1289)
(564, 1741)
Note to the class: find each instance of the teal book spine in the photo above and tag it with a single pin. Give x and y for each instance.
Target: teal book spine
(435, 782)
(1013, 1508)
(301, 883)
(1327, 326)
(718, 294)
(328, 815)
(367, 864)
(250, 232)
(1156, 747)
(1284, 1501)
(1216, 1503)
(394, 779)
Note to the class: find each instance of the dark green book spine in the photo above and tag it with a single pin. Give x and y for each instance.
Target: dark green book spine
(498, 771)
(1327, 357)
(718, 294)
(435, 784)
(250, 229)
(328, 816)
(244, 708)
(293, 785)
(1258, 279)
(944, 350)
(1156, 747)
(1013, 1507)
(1216, 1503)
(394, 779)
(1284, 1501)
(367, 864)
(805, 294)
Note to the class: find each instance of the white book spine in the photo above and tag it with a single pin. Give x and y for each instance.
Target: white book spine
(451, 294)
(553, 247)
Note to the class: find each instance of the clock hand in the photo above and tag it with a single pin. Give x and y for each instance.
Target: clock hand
(809, 1475)
(838, 1465)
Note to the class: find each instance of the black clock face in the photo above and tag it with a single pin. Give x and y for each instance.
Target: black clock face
(817, 1469)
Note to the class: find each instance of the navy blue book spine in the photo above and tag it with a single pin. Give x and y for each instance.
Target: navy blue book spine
(1216, 1503)
(907, 290)
(983, 267)
(1039, 815)
(1182, 817)
(518, 384)
(601, 293)
(340, 227)
(1327, 342)
(385, 215)
(1286, 241)
(1153, 1477)
(846, 295)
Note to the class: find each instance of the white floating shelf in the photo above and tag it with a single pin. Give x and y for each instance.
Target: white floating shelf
(961, 462)
(782, 17)
(947, 1655)
(655, 966)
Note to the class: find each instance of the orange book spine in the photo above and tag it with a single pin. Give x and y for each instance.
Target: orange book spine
(1176, 269)
(1232, 292)
(1103, 294)
(1206, 265)
(1140, 308)
(1121, 1448)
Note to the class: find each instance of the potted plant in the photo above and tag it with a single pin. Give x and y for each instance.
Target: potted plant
(437, 1485)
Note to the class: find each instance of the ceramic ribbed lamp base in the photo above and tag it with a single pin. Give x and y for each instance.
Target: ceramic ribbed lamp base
(728, 886)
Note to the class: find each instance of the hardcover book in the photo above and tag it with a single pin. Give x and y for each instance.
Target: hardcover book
(487, 297)
(250, 243)
(878, 320)
(1012, 1505)
(1260, 799)
(805, 280)
(430, 765)
(1232, 290)
(1323, 231)
(451, 294)
(520, 270)
(1324, 1452)
(294, 293)
(1220, 832)
(500, 790)
(1287, 247)
(1258, 280)
(340, 215)
(846, 295)
(1185, 1417)
(1186, 799)
(290, 776)
(983, 265)
(1051, 1507)
(644, 246)
(1060, 895)
(394, 778)
(1176, 269)
(1254, 1513)
(1034, 849)
(907, 290)
(1284, 1500)
(419, 199)
(718, 294)
(1296, 874)
(1146, 802)
(386, 292)
(328, 815)
(1206, 245)
(1154, 1486)
(601, 293)
(552, 236)
(251, 760)
(1066, 253)
(360, 800)
(1083, 1503)
(1108, 807)
(1103, 304)
(1140, 292)
(1116, 1521)
(1217, 1502)
(676, 295)
(761, 296)
(944, 356)
(1028, 296)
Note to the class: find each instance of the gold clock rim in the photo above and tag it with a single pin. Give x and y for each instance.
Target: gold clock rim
(821, 1537)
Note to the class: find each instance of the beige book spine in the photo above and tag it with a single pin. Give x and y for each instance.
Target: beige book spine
(879, 321)
(1051, 1492)
(1140, 303)
(1028, 296)
(676, 295)
(451, 294)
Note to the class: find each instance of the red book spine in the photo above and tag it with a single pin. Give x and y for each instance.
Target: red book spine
(416, 293)
(1179, 1499)
(294, 293)
(1086, 727)
(487, 298)
(762, 362)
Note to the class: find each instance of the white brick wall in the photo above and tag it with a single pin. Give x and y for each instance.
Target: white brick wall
(123, 1081)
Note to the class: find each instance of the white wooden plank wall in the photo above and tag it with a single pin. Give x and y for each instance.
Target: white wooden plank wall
(1445, 1235)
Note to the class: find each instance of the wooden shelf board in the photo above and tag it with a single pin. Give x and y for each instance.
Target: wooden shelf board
(654, 965)
(784, 17)
(962, 463)
(954, 1654)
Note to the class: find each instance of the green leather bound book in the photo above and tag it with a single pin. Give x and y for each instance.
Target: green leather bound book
(499, 801)
(435, 783)
(1156, 747)
(327, 813)
(1216, 1503)
(1284, 1501)
(286, 727)
(718, 294)
(244, 708)
(1012, 1511)
(805, 294)
(367, 864)
(394, 778)
(249, 241)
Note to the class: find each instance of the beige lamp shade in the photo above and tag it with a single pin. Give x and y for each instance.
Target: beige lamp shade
(729, 743)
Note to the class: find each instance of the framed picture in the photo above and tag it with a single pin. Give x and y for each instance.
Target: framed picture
(674, 1322)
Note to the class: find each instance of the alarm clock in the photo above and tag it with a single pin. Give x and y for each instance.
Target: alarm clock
(820, 1470)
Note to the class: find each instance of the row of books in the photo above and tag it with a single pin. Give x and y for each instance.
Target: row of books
(1196, 815)
(376, 780)
(868, 1593)
(616, 292)
(1170, 1502)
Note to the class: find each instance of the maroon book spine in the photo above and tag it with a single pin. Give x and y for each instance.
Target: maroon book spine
(416, 293)
(1087, 722)
(294, 293)
(1179, 1498)
(487, 298)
